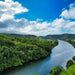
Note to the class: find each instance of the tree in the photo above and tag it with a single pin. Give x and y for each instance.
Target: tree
(73, 58)
(69, 63)
(56, 70)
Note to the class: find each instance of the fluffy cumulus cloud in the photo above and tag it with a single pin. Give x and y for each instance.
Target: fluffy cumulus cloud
(70, 26)
(9, 8)
(9, 24)
(69, 13)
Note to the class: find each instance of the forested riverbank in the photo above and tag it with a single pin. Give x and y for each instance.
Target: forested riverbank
(70, 64)
(71, 41)
(15, 51)
(60, 70)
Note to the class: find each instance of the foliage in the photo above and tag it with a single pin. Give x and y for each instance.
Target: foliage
(72, 41)
(56, 70)
(69, 63)
(73, 58)
(61, 36)
(35, 74)
(69, 71)
(15, 51)
(60, 71)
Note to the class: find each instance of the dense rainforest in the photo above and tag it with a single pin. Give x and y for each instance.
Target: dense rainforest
(15, 51)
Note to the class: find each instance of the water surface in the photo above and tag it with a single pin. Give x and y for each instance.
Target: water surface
(60, 55)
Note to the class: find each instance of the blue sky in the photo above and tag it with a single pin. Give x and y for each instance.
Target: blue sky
(48, 10)
(37, 17)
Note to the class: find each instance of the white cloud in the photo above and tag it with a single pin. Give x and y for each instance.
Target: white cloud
(9, 8)
(70, 26)
(59, 22)
(9, 24)
(6, 16)
(69, 14)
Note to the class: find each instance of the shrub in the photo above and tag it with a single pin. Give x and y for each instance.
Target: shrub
(73, 58)
(56, 70)
(69, 63)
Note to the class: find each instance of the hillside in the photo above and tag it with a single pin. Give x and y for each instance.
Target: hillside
(20, 35)
(16, 51)
(60, 36)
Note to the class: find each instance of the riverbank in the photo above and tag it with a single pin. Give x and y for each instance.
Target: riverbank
(59, 57)
(71, 41)
(70, 64)
(60, 70)
(16, 51)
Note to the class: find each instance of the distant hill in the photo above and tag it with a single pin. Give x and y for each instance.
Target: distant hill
(20, 35)
(60, 36)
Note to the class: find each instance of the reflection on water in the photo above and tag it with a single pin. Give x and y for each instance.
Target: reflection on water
(60, 55)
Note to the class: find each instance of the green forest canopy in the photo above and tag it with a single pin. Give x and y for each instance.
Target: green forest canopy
(15, 51)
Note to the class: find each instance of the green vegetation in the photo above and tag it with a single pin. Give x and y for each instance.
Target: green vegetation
(56, 70)
(69, 71)
(60, 71)
(15, 51)
(60, 36)
(73, 58)
(21, 36)
(72, 41)
(69, 63)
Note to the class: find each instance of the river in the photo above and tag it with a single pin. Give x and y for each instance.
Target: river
(60, 55)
